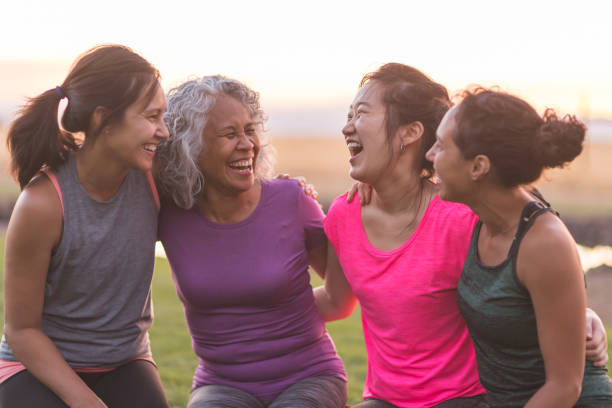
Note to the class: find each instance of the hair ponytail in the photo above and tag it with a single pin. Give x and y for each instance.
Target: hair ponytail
(35, 139)
(558, 141)
(109, 76)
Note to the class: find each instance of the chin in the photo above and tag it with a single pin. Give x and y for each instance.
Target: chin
(357, 175)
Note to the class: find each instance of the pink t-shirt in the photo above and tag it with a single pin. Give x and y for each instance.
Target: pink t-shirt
(419, 350)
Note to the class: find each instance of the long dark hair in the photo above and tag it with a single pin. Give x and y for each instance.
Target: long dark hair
(108, 76)
(411, 96)
(517, 140)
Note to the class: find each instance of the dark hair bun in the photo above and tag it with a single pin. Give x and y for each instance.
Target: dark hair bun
(558, 141)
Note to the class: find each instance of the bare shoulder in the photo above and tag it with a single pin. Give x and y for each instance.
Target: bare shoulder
(38, 212)
(548, 252)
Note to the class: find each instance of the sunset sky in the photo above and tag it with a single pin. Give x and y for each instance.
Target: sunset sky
(306, 58)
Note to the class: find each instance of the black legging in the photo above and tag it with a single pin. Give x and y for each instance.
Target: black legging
(133, 385)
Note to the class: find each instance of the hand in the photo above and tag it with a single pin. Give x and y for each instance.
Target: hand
(365, 193)
(87, 399)
(597, 341)
(308, 188)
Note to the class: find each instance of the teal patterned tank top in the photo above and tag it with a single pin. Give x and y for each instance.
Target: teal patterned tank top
(501, 320)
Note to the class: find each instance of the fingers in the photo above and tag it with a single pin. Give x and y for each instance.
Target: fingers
(365, 193)
(301, 181)
(310, 190)
(283, 176)
(597, 342)
(351, 193)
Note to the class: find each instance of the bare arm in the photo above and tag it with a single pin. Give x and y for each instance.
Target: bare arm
(335, 299)
(554, 279)
(34, 231)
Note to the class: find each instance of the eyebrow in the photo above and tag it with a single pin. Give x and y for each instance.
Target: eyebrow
(232, 127)
(358, 104)
(154, 110)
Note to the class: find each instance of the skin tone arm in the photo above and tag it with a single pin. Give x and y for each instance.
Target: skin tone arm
(549, 266)
(335, 299)
(34, 231)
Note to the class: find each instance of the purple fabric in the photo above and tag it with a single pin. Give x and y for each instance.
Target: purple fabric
(247, 295)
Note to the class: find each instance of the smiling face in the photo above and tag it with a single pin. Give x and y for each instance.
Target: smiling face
(452, 168)
(231, 145)
(365, 134)
(134, 139)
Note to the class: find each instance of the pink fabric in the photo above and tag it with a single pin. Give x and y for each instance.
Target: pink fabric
(10, 368)
(53, 179)
(419, 349)
(153, 189)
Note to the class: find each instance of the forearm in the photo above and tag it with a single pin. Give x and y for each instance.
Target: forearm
(333, 309)
(39, 355)
(556, 394)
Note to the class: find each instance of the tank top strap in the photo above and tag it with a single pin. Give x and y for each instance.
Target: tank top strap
(53, 178)
(531, 211)
(153, 189)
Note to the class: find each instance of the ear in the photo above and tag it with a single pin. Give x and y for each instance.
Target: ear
(411, 133)
(97, 118)
(481, 166)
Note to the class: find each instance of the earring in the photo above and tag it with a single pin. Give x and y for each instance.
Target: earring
(402, 148)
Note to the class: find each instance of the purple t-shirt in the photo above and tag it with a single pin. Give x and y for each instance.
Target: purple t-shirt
(247, 295)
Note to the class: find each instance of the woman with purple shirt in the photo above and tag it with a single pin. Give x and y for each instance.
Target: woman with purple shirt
(239, 245)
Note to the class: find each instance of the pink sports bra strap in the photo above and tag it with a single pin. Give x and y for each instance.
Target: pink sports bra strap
(53, 179)
(153, 189)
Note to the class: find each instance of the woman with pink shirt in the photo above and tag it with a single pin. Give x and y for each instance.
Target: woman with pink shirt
(401, 256)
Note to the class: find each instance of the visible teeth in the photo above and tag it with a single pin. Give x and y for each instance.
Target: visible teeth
(241, 163)
(354, 148)
(150, 147)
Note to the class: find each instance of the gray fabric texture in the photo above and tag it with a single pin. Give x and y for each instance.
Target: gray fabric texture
(97, 307)
(312, 392)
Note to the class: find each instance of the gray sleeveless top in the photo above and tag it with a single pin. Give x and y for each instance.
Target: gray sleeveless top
(97, 307)
(501, 320)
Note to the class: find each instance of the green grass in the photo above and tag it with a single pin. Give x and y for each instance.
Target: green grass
(172, 346)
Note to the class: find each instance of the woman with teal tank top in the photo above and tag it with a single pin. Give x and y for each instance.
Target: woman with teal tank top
(80, 243)
(521, 291)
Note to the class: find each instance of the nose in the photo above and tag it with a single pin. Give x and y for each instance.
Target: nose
(348, 129)
(431, 154)
(162, 131)
(244, 142)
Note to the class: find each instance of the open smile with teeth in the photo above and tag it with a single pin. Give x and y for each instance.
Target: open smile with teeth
(242, 165)
(355, 148)
(150, 147)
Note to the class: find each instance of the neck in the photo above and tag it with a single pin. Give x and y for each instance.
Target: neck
(100, 176)
(227, 207)
(394, 194)
(500, 208)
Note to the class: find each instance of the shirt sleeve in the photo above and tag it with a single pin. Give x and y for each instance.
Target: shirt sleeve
(311, 215)
(331, 221)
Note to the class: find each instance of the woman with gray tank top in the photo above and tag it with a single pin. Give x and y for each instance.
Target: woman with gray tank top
(80, 242)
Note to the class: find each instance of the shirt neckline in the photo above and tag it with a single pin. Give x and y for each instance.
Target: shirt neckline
(234, 225)
(379, 252)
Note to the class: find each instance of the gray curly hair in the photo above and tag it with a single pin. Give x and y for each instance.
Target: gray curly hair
(177, 172)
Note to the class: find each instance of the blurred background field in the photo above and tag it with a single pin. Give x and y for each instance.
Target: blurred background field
(584, 188)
